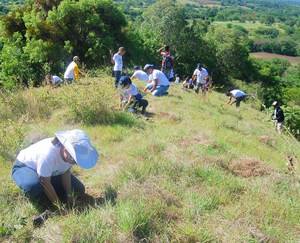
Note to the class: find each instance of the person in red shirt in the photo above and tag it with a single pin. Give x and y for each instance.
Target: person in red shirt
(167, 65)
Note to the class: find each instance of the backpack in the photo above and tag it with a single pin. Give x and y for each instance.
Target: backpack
(167, 62)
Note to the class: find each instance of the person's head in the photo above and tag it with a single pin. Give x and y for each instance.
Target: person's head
(228, 93)
(149, 68)
(125, 82)
(48, 79)
(167, 48)
(137, 68)
(122, 51)
(199, 66)
(76, 148)
(76, 59)
(275, 104)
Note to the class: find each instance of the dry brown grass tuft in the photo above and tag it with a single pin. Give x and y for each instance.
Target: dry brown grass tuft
(248, 167)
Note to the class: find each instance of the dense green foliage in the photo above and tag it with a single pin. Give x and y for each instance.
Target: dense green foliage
(42, 36)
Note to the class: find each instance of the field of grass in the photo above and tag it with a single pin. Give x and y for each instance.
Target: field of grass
(270, 56)
(197, 170)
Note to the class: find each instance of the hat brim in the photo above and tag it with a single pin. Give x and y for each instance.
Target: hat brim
(84, 160)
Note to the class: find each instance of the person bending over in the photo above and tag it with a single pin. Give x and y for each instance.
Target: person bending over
(43, 170)
(159, 82)
(72, 72)
(130, 97)
(140, 75)
(236, 96)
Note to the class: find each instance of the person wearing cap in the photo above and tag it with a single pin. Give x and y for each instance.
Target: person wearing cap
(72, 72)
(200, 75)
(130, 97)
(236, 96)
(43, 170)
(117, 61)
(140, 75)
(278, 116)
(159, 82)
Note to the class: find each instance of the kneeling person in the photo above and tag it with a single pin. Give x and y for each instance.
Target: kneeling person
(130, 97)
(44, 168)
(159, 82)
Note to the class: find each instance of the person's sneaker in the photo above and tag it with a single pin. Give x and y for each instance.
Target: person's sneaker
(40, 219)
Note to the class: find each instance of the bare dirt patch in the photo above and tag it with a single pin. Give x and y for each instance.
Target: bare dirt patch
(169, 116)
(270, 56)
(248, 167)
(267, 140)
(199, 139)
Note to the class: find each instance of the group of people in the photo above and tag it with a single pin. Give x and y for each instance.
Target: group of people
(43, 170)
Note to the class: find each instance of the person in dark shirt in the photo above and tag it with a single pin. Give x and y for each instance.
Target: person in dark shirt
(278, 117)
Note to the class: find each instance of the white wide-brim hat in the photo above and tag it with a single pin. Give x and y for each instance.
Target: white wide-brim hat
(78, 144)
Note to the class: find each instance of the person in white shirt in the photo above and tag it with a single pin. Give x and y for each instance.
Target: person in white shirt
(236, 96)
(43, 170)
(159, 82)
(200, 75)
(72, 72)
(140, 75)
(130, 97)
(53, 80)
(117, 61)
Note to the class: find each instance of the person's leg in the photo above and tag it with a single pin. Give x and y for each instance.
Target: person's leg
(238, 101)
(149, 86)
(28, 181)
(143, 103)
(77, 187)
(117, 78)
(160, 91)
(197, 88)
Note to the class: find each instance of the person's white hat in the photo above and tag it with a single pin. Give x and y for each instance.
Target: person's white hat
(78, 144)
(147, 66)
(76, 59)
(274, 103)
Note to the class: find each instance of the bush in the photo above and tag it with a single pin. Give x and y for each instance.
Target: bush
(292, 120)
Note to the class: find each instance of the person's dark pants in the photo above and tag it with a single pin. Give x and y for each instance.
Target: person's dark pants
(28, 181)
(141, 103)
(117, 75)
(239, 100)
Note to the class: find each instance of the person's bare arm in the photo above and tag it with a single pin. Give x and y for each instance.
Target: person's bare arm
(111, 57)
(49, 190)
(66, 182)
(128, 102)
(229, 101)
(154, 85)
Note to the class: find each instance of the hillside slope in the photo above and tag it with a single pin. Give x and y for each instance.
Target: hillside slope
(196, 171)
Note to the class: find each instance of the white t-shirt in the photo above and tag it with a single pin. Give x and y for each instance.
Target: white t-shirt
(141, 75)
(201, 75)
(118, 59)
(237, 93)
(131, 91)
(161, 78)
(56, 80)
(44, 158)
(69, 73)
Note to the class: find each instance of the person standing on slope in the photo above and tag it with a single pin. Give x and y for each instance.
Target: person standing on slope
(117, 61)
(167, 65)
(72, 72)
(43, 170)
(200, 75)
(140, 75)
(278, 117)
(236, 96)
(159, 82)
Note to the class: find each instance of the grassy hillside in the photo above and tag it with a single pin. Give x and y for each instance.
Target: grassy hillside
(196, 171)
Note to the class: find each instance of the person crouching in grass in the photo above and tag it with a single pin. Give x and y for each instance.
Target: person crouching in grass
(43, 170)
(130, 97)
